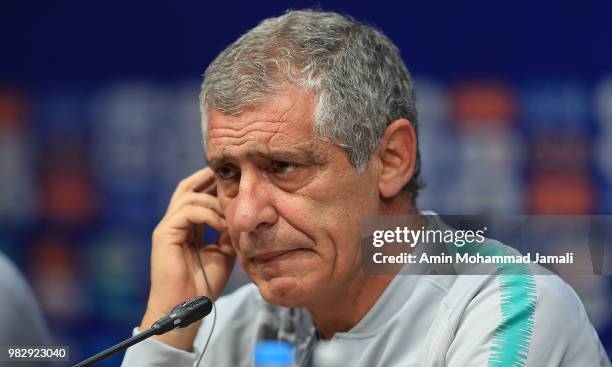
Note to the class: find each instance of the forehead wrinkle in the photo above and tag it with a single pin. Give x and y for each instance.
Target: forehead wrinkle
(238, 132)
(234, 144)
(276, 120)
(254, 136)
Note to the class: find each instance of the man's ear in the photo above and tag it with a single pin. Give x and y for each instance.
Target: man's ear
(397, 155)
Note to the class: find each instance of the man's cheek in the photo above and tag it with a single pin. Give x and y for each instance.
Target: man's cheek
(236, 244)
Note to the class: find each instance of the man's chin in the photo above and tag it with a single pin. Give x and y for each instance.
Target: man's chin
(286, 292)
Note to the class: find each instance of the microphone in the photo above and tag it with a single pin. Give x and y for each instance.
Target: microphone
(182, 315)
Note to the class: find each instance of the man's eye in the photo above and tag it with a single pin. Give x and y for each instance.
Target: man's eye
(226, 172)
(283, 167)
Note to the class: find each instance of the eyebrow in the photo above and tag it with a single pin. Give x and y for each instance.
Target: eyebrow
(299, 154)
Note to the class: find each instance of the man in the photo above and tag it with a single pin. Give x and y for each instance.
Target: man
(309, 122)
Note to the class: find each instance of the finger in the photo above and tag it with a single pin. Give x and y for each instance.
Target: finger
(191, 214)
(211, 189)
(224, 249)
(193, 264)
(195, 198)
(200, 179)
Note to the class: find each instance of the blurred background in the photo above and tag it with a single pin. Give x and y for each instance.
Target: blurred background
(99, 121)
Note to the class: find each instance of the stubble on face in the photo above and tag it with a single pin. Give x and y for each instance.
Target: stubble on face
(296, 233)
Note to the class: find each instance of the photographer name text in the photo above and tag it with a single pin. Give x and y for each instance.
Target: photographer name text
(471, 258)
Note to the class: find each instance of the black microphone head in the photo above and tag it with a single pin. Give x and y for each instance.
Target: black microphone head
(183, 315)
(191, 311)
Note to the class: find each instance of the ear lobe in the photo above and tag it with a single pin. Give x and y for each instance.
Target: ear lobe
(397, 154)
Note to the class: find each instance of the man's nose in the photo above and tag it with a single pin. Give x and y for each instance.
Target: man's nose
(253, 207)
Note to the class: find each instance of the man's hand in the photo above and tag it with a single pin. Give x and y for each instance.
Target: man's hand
(175, 271)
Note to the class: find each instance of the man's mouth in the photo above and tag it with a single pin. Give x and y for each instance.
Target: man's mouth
(265, 257)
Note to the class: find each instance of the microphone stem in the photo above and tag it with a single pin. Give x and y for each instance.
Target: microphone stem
(117, 348)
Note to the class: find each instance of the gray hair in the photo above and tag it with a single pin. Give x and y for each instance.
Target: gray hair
(356, 73)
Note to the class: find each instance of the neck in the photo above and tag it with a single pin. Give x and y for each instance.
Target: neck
(347, 309)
